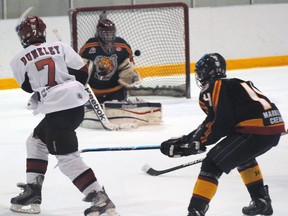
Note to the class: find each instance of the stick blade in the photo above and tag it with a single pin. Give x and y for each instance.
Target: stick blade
(149, 170)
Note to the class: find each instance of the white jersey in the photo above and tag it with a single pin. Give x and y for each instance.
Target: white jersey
(46, 66)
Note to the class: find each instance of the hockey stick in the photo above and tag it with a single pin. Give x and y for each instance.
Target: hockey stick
(125, 148)
(93, 100)
(56, 33)
(103, 119)
(99, 111)
(24, 14)
(150, 171)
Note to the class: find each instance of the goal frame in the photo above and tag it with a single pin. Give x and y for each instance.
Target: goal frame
(73, 25)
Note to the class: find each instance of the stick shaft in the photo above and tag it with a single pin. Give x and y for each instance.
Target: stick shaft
(125, 148)
(150, 171)
(98, 110)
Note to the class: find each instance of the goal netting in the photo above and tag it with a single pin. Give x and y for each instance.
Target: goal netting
(158, 32)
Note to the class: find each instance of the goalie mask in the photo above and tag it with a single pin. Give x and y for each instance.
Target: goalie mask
(106, 31)
(210, 67)
(32, 30)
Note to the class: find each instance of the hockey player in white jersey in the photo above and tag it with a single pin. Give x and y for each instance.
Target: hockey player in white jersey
(55, 75)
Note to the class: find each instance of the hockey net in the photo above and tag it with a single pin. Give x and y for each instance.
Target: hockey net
(158, 32)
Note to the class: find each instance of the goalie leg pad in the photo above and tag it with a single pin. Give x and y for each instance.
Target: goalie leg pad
(120, 113)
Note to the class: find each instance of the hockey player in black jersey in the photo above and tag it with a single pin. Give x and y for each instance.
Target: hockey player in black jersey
(250, 125)
(111, 63)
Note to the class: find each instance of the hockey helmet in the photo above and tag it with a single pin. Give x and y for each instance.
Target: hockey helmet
(209, 67)
(32, 30)
(106, 31)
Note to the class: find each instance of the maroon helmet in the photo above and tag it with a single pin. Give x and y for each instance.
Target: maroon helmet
(32, 30)
(106, 31)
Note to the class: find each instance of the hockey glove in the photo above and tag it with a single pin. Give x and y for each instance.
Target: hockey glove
(128, 77)
(33, 101)
(179, 147)
(195, 148)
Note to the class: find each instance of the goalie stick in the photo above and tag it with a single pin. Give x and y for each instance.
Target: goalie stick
(150, 171)
(103, 119)
(125, 148)
(93, 101)
(99, 111)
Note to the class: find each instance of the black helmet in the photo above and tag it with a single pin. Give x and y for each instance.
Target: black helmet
(32, 30)
(209, 67)
(106, 31)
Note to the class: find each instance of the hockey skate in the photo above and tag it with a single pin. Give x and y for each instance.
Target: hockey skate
(30, 199)
(260, 206)
(101, 204)
(194, 212)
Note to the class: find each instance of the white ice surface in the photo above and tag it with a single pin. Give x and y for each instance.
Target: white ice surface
(134, 192)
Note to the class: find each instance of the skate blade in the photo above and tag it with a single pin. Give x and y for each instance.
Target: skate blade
(29, 209)
(108, 212)
(93, 214)
(111, 212)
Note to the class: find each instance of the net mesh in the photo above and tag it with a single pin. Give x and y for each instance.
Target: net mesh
(157, 33)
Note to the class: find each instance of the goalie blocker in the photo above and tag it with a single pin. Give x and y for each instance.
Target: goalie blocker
(137, 113)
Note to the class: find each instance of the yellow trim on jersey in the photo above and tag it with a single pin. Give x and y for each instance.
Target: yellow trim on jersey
(251, 175)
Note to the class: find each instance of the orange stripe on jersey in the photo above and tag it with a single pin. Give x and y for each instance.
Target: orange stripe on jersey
(203, 107)
(208, 131)
(251, 175)
(256, 126)
(215, 99)
(88, 45)
(256, 122)
(100, 92)
(125, 46)
(215, 94)
(204, 189)
(251, 122)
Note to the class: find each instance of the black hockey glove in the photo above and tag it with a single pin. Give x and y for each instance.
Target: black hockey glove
(195, 148)
(179, 147)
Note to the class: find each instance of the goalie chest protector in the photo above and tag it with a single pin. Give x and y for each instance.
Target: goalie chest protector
(139, 112)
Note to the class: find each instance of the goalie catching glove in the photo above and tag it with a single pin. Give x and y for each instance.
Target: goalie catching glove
(128, 77)
(183, 146)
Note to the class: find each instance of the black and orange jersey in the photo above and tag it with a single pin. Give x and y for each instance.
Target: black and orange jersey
(105, 75)
(234, 105)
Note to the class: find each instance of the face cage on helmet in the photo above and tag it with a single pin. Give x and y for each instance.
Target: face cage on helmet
(199, 82)
(107, 36)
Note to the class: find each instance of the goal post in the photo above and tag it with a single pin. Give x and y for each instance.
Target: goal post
(157, 33)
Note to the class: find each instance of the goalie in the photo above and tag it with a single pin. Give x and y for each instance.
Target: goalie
(110, 62)
(111, 68)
